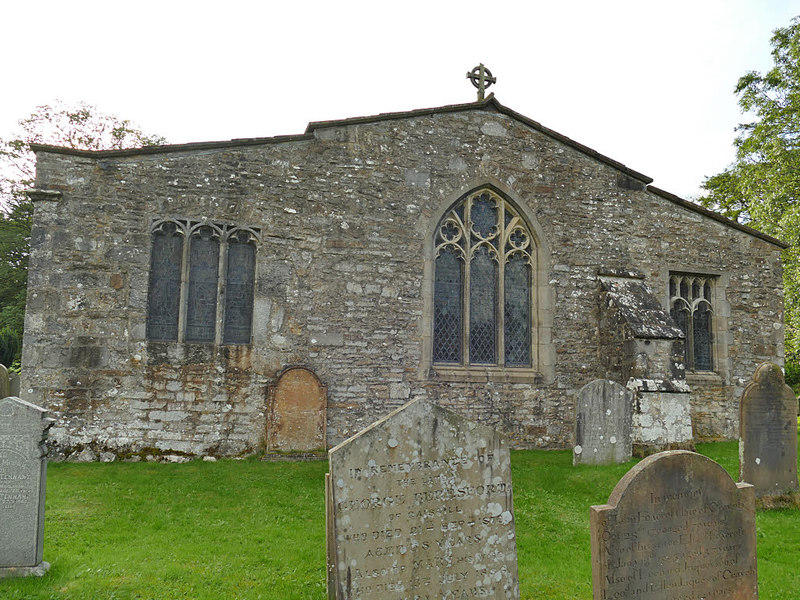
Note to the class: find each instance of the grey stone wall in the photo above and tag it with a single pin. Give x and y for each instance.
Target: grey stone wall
(343, 284)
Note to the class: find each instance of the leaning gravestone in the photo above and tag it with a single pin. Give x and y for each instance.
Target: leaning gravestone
(603, 424)
(675, 526)
(23, 429)
(13, 380)
(419, 505)
(768, 433)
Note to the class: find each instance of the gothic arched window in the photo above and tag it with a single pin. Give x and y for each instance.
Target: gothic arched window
(691, 306)
(483, 282)
(188, 298)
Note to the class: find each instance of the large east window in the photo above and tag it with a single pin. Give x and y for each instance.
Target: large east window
(483, 282)
(201, 282)
(692, 308)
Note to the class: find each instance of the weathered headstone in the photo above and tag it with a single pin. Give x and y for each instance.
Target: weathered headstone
(23, 429)
(13, 381)
(675, 526)
(603, 424)
(5, 385)
(297, 408)
(420, 506)
(768, 433)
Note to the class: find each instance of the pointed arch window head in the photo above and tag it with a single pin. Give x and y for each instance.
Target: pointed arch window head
(483, 284)
(691, 306)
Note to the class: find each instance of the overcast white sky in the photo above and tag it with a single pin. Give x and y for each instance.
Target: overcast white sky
(648, 83)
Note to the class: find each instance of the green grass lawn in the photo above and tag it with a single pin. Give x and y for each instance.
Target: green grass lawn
(248, 529)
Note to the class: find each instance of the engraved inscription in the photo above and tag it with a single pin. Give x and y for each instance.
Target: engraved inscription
(681, 530)
(424, 510)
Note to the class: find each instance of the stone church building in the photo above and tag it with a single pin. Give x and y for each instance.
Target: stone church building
(283, 293)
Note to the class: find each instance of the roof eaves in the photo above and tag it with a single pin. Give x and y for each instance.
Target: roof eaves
(717, 217)
(170, 148)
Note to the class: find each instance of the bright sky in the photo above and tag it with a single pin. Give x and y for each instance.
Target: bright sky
(647, 83)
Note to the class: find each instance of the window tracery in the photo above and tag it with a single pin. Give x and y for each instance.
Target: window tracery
(483, 282)
(187, 297)
(691, 306)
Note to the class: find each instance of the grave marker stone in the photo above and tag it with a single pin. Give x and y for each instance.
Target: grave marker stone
(603, 424)
(297, 408)
(5, 385)
(675, 526)
(13, 380)
(420, 506)
(768, 433)
(23, 465)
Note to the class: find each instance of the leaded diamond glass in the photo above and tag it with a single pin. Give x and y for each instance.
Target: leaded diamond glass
(239, 290)
(447, 307)
(201, 312)
(165, 284)
(701, 322)
(517, 307)
(483, 308)
(484, 216)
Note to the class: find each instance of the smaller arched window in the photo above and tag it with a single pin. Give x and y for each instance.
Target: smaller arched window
(201, 282)
(483, 284)
(691, 306)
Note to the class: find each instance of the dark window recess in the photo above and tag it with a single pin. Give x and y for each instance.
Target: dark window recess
(239, 290)
(693, 311)
(447, 309)
(189, 269)
(517, 312)
(201, 310)
(483, 281)
(165, 284)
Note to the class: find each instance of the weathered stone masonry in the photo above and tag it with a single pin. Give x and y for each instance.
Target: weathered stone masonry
(347, 213)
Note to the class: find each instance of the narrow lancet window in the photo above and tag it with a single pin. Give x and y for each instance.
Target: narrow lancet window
(239, 288)
(164, 294)
(201, 311)
(692, 310)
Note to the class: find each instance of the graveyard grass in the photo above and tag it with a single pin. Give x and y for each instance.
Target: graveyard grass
(248, 529)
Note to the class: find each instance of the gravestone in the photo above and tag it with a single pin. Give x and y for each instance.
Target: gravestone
(13, 381)
(768, 433)
(23, 429)
(420, 506)
(603, 424)
(297, 408)
(675, 526)
(5, 385)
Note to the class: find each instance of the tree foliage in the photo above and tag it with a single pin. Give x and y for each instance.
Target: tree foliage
(80, 126)
(762, 187)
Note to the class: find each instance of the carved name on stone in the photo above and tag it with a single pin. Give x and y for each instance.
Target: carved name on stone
(768, 438)
(603, 424)
(23, 428)
(675, 526)
(420, 507)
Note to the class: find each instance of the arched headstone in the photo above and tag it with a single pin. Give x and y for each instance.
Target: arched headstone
(768, 433)
(603, 424)
(675, 526)
(5, 386)
(296, 412)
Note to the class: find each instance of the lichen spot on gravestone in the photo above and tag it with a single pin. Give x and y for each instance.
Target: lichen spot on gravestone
(419, 505)
(23, 466)
(768, 433)
(603, 424)
(675, 526)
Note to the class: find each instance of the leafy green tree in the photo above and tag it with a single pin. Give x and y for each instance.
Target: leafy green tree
(80, 126)
(762, 187)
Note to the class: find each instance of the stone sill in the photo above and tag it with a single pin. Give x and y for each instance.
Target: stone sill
(703, 378)
(483, 374)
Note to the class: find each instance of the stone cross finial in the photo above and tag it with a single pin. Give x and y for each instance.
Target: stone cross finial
(481, 78)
